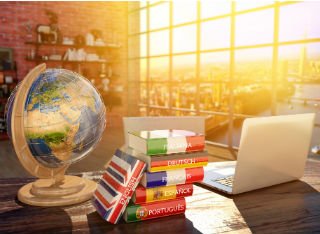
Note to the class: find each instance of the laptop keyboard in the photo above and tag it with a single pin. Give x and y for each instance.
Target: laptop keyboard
(227, 181)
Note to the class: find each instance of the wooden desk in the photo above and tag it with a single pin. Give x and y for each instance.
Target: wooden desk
(291, 207)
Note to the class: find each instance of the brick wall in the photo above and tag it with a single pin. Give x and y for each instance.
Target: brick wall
(74, 18)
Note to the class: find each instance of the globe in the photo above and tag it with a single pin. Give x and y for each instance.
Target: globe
(55, 117)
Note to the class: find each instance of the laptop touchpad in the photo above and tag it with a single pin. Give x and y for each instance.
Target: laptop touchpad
(219, 170)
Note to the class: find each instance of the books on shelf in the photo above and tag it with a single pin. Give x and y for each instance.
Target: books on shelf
(147, 195)
(172, 161)
(166, 178)
(166, 141)
(117, 185)
(134, 213)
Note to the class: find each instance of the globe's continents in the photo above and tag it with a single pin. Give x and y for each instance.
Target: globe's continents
(64, 117)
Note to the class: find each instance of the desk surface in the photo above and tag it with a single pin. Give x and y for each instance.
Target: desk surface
(291, 207)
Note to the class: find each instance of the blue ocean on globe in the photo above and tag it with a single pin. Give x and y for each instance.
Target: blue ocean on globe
(64, 117)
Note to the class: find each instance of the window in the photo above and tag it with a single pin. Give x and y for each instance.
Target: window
(226, 60)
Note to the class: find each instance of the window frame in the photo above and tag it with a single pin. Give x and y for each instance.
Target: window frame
(275, 44)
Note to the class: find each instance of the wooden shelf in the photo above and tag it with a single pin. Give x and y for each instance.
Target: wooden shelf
(75, 46)
(10, 70)
(66, 61)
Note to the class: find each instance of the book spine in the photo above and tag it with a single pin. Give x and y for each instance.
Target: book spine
(178, 164)
(175, 145)
(195, 143)
(158, 169)
(111, 196)
(134, 213)
(143, 195)
(165, 178)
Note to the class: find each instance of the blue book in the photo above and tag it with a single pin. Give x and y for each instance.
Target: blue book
(172, 177)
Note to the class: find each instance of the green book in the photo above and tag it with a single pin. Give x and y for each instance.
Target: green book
(168, 141)
(134, 213)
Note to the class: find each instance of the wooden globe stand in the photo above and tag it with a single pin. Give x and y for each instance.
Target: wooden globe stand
(45, 192)
(53, 188)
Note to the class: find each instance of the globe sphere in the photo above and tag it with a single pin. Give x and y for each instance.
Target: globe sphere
(64, 117)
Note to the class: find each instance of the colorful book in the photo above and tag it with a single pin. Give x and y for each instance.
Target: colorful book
(166, 141)
(171, 161)
(166, 178)
(147, 195)
(134, 213)
(116, 186)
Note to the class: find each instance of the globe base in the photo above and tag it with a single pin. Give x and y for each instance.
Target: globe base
(46, 192)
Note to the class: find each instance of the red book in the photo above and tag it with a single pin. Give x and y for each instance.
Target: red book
(134, 213)
(172, 161)
(147, 195)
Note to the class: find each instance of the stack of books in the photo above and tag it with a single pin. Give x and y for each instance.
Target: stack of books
(174, 161)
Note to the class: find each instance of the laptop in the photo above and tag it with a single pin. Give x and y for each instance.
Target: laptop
(272, 150)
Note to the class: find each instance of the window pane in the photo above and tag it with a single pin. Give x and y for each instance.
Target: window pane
(300, 63)
(184, 68)
(245, 5)
(143, 3)
(143, 45)
(213, 96)
(214, 93)
(299, 21)
(143, 69)
(143, 93)
(254, 28)
(214, 8)
(215, 66)
(184, 113)
(159, 16)
(159, 42)
(159, 112)
(184, 39)
(215, 34)
(159, 69)
(153, 1)
(253, 66)
(143, 111)
(184, 96)
(184, 11)
(159, 95)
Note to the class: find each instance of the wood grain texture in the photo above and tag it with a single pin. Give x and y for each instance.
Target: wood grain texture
(288, 208)
(45, 192)
(17, 130)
